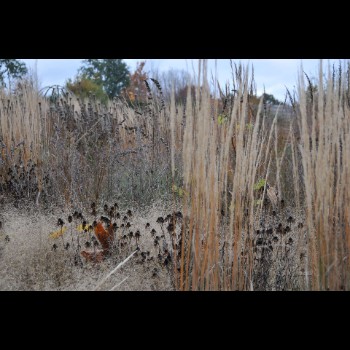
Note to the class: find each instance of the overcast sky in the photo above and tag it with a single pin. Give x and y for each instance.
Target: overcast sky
(273, 74)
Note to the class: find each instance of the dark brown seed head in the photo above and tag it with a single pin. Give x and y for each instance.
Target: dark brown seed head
(60, 222)
(125, 218)
(178, 214)
(137, 234)
(147, 225)
(274, 212)
(94, 224)
(122, 225)
(287, 229)
(105, 220)
(87, 244)
(118, 216)
(70, 218)
(160, 220)
(129, 213)
(128, 224)
(259, 241)
(54, 247)
(171, 227)
(116, 205)
(290, 219)
(105, 207)
(300, 225)
(93, 205)
(131, 234)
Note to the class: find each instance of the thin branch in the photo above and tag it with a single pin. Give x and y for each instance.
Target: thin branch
(114, 270)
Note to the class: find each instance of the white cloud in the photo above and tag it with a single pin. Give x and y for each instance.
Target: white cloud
(54, 71)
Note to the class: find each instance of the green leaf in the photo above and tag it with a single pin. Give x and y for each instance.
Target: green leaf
(222, 118)
(261, 183)
(249, 126)
(179, 191)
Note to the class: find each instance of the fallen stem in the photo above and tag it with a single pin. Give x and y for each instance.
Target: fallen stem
(113, 271)
(117, 285)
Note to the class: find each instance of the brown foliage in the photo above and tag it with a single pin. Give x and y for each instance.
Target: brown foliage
(137, 89)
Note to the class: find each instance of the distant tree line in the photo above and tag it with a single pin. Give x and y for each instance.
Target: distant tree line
(109, 78)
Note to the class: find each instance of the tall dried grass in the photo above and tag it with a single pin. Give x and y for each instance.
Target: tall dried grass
(324, 147)
(223, 162)
(83, 150)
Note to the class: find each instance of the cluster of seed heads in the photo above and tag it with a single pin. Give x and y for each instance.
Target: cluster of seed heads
(126, 238)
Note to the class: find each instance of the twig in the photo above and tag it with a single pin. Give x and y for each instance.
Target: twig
(122, 121)
(113, 271)
(117, 285)
(37, 198)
